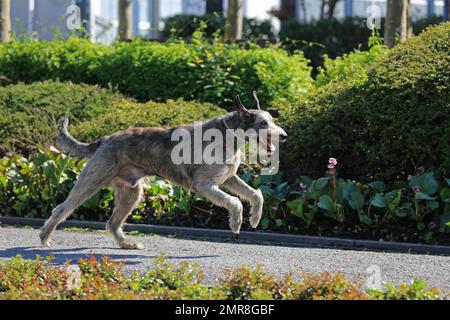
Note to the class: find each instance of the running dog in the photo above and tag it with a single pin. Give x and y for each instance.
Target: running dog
(124, 159)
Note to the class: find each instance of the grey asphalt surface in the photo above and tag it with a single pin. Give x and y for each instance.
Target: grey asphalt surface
(216, 255)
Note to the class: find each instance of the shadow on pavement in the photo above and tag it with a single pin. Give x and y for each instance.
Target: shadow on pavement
(62, 255)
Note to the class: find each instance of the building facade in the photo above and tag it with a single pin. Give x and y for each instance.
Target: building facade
(46, 18)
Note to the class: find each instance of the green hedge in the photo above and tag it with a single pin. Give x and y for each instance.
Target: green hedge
(390, 125)
(334, 37)
(29, 114)
(125, 114)
(203, 70)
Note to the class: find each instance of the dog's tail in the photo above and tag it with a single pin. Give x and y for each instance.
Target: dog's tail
(73, 147)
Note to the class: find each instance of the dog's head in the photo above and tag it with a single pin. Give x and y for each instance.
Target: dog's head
(265, 131)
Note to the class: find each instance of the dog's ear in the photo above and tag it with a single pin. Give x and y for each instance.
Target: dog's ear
(275, 113)
(242, 111)
(258, 106)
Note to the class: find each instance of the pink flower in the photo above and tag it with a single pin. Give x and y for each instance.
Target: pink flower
(332, 161)
(416, 189)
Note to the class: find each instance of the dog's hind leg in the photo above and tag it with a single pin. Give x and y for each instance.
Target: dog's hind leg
(222, 199)
(126, 198)
(93, 176)
(238, 187)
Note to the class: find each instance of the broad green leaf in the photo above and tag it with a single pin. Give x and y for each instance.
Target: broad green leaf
(432, 205)
(378, 186)
(424, 196)
(357, 201)
(402, 212)
(320, 183)
(296, 207)
(445, 195)
(378, 201)
(364, 218)
(426, 182)
(326, 203)
(393, 200)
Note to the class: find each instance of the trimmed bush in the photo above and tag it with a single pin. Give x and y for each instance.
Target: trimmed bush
(125, 114)
(208, 72)
(393, 124)
(29, 114)
(202, 70)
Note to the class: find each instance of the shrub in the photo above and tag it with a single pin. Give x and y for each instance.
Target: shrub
(333, 37)
(208, 72)
(326, 36)
(29, 114)
(203, 70)
(125, 114)
(351, 68)
(184, 26)
(105, 280)
(393, 124)
(74, 59)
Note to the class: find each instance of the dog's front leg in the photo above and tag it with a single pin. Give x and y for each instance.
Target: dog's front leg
(237, 186)
(222, 199)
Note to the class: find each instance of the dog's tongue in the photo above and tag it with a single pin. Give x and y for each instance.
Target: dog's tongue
(270, 146)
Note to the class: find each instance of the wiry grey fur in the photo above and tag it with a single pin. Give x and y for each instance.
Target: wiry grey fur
(123, 160)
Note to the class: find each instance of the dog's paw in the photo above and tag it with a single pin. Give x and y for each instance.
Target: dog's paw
(235, 225)
(256, 210)
(131, 245)
(254, 220)
(236, 216)
(45, 238)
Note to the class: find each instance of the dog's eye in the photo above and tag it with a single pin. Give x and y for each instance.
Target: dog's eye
(264, 123)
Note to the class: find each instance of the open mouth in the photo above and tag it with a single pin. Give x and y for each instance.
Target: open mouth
(267, 144)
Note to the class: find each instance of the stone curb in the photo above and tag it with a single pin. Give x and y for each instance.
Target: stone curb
(245, 235)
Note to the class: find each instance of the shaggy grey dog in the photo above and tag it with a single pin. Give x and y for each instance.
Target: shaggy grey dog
(124, 159)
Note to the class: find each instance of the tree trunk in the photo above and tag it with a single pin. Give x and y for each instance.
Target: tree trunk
(393, 20)
(235, 20)
(214, 6)
(398, 20)
(406, 24)
(5, 9)
(125, 19)
(303, 11)
(322, 9)
(331, 7)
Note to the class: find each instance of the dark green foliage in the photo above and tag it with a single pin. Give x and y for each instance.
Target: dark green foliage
(74, 59)
(29, 114)
(202, 70)
(328, 36)
(393, 124)
(333, 37)
(185, 25)
(125, 114)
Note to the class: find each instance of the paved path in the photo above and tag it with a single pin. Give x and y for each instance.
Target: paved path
(214, 256)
